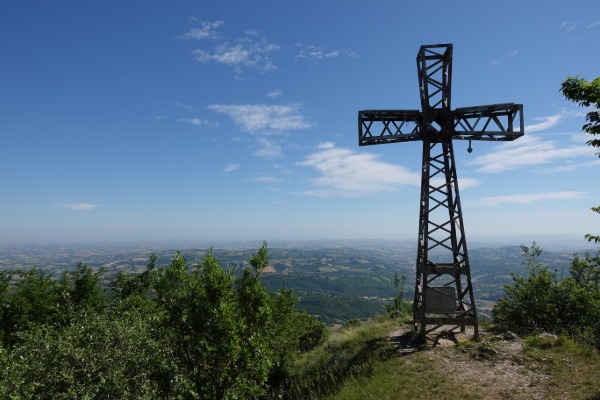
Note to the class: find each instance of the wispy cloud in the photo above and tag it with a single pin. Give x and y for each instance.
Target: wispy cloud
(231, 167)
(264, 118)
(264, 122)
(510, 54)
(274, 94)
(318, 54)
(267, 179)
(247, 52)
(568, 26)
(347, 173)
(197, 122)
(161, 117)
(545, 122)
(593, 25)
(186, 107)
(574, 166)
(206, 30)
(79, 206)
(267, 148)
(528, 198)
(528, 151)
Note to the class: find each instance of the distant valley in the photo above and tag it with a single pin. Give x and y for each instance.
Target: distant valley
(335, 280)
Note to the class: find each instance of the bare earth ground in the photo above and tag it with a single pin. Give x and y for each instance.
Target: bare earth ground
(497, 375)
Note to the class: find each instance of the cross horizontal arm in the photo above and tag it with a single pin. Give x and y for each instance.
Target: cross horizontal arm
(498, 122)
(389, 126)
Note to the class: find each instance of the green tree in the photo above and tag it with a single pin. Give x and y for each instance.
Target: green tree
(82, 290)
(178, 331)
(219, 344)
(103, 355)
(582, 291)
(586, 94)
(5, 278)
(34, 300)
(531, 303)
(398, 306)
(543, 301)
(136, 291)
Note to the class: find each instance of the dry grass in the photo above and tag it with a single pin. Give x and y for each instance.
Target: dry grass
(534, 368)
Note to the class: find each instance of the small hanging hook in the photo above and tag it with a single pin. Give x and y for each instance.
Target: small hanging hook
(470, 149)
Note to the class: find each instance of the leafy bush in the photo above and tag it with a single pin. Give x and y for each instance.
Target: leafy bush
(398, 306)
(543, 301)
(177, 331)
(102, 355)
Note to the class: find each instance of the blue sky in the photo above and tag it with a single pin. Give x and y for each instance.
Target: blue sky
(216, 120)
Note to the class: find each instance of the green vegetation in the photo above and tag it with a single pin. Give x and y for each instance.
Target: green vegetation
(398, 306)
(177, 331)
(586, 94)
(348, 354)
(544, 301)
(337, 308)
(495, 368)
(183, 331)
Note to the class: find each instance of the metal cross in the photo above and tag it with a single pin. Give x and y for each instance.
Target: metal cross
(443, 288)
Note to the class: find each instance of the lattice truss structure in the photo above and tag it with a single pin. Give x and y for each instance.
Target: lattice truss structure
(443, 289)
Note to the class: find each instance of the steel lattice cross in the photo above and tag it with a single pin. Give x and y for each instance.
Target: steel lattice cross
(443, 288)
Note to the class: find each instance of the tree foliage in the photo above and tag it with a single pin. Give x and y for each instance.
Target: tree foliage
(177, 331)
(101, 356)
(586, 94)
(542, 300)
(398, 306)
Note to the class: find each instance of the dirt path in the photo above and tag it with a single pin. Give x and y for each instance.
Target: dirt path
(490, 372)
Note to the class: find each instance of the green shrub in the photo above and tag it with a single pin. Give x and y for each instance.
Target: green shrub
(177, 331)
(542, 301)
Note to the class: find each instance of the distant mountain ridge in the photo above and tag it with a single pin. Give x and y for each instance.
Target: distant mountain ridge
(337, 280)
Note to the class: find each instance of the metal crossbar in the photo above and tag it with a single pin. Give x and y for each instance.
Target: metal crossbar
(441, 226)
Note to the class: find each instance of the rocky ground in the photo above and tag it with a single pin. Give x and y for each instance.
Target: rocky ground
(493, 368)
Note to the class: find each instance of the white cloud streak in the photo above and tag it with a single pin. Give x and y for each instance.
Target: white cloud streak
(318, 54)
(186, 107)
(263, 122)
(207, 30)
(231, 167)
(79, 206)
(593, 25)
(568, 26)
(197, 122)
(267, 148)
(346, 173)
(529, 198)
(574, 166)
(530, 150)
(267, 179)
(264, 118)
(545, 123)
(274, 94)
(248, 52)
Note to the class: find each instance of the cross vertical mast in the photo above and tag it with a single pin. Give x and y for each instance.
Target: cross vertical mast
(443, 289)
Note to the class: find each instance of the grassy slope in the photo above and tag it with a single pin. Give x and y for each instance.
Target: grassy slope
(364, 362)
